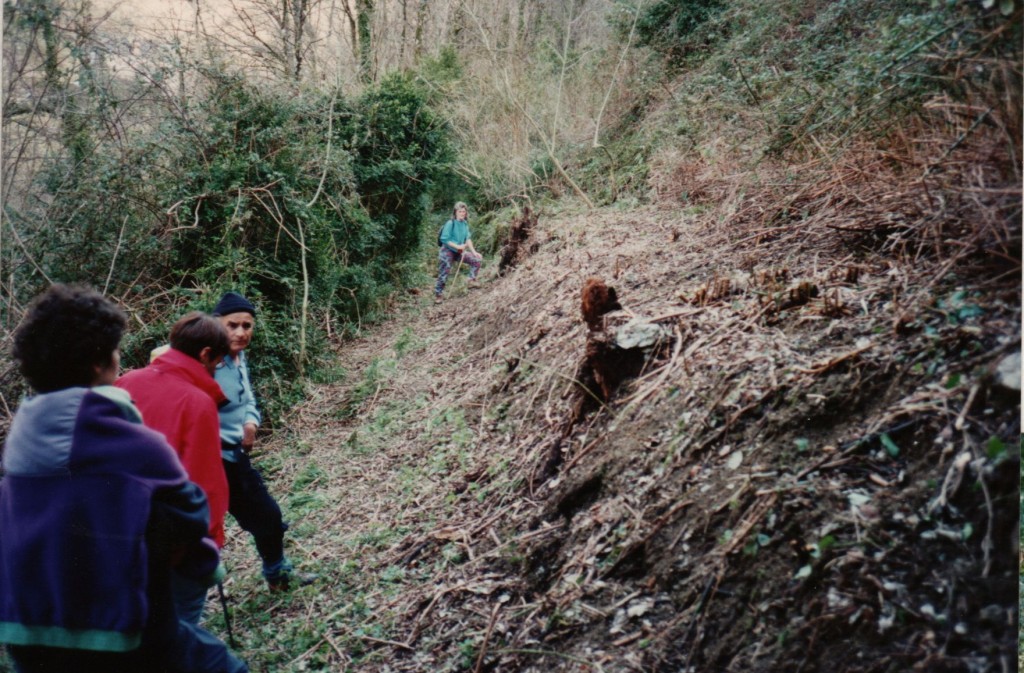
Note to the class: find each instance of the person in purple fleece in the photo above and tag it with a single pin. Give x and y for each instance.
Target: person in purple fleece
(95, 511)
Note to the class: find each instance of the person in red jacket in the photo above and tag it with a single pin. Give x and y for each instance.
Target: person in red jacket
(179, 398)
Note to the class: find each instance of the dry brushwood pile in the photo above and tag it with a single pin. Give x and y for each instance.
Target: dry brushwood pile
(776, 433)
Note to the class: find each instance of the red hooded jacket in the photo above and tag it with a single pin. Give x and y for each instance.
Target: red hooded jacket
(179, 398)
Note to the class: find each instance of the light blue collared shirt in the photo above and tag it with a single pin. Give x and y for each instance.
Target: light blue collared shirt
(241, 407)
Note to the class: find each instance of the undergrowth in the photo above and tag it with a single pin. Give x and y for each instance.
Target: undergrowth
(312, 203)
(806, 78)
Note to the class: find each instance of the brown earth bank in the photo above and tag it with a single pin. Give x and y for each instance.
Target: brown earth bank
(791, 444)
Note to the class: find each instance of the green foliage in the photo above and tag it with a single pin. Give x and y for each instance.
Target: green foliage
(995, 448)
(491, 229)
(263, 197)
(890, 446)
(312, 205)
(740, 80)
(673, 25)
(486, 178)
(853, 59)
(374, 377)
(443, 68)
(83, 224)
(405, 342)
(442, 79)
(399, 146)
(620, 167)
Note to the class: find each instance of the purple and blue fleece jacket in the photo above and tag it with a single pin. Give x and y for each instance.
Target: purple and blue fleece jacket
(92, 506)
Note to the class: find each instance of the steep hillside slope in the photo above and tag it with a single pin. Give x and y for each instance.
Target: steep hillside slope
(812, 466)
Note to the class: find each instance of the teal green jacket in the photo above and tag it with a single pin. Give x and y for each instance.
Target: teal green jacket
(455, 232)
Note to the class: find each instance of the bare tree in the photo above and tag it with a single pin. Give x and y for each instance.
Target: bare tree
(278, 35)
(421, 19)
(364, 22)
(615, 73)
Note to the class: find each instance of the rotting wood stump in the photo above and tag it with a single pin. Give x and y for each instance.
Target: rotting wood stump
(610, 358)
(515, 250)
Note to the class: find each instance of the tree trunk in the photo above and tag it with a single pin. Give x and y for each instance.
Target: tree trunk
(300, 13)
(405, 24)
(284, 23)
(421, 18)
(458, 22)
(353, 32)
(364, 21)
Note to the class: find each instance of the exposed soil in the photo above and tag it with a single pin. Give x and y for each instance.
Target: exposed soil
(814, 468)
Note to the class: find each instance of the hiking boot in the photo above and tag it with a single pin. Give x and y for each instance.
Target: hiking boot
(286, 580)
(437, 299)
(473, 284)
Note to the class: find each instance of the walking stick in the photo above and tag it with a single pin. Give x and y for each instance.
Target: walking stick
(227, 615)
(457, 269)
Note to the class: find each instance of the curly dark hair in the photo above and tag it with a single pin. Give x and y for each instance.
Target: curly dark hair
(66, 332)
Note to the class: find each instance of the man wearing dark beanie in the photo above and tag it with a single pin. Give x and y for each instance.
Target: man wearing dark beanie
(249, 502)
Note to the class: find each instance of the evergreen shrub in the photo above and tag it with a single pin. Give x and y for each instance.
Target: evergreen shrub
(674, 26)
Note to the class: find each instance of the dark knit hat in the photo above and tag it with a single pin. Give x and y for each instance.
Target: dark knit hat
(232, 302)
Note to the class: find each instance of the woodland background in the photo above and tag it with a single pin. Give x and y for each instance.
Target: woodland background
(167, 151)
(292, 149)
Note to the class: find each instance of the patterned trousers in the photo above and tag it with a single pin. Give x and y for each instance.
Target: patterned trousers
(448, 257)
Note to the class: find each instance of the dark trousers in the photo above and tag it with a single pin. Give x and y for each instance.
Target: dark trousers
(255, 509)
